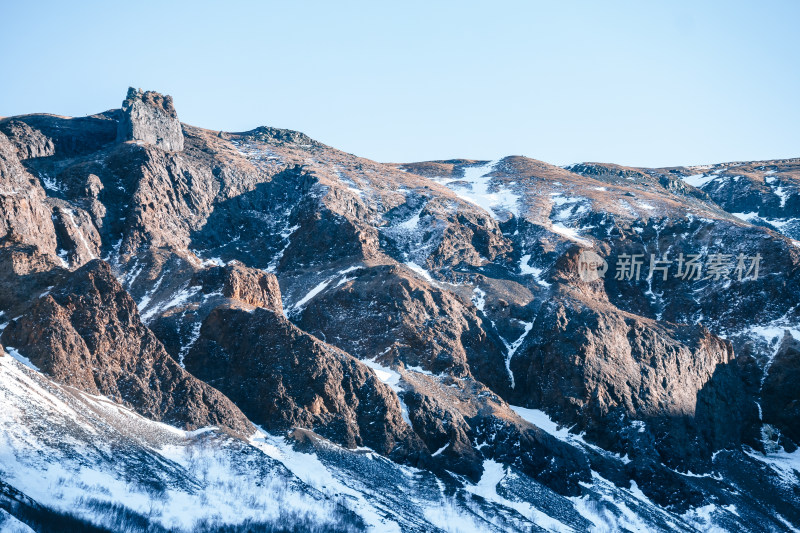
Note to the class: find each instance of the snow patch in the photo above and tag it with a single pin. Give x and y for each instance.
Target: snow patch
(419, 271)
(391, 378)
(13, 352)
(475, 186)
(698, 180)
(570, 234)
(512, 348)
(79, 233)
(493, 474)
(479, 298)
(311, 294)
(440, 450)
(526, 269)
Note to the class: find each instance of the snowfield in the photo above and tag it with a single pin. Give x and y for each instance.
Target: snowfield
(479, 189)
(83, 454)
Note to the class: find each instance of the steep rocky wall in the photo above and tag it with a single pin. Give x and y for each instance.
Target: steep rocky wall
(86, 332)
(150, 117)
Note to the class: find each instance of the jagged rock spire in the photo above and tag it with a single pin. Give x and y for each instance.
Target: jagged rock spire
(150, 117)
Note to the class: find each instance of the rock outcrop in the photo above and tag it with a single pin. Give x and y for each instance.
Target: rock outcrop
(463, 423)
(24, 272)
(282, 377)
(24, 214)
(422, 325)
(30, 142)
(603, 369)
(86, 333)
(780, 394)
(150, 117)
(247, 285)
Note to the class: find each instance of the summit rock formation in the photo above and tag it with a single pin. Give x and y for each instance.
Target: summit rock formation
(150, 117)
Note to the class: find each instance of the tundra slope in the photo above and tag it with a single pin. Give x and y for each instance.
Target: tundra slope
(430, 312)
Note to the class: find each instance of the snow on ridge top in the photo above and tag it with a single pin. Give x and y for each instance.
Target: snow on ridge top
(474, 187)
(698, 180)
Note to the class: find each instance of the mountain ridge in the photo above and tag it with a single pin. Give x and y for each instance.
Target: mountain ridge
(449, 289)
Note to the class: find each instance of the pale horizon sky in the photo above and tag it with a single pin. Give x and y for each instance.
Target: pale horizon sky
(634, 83)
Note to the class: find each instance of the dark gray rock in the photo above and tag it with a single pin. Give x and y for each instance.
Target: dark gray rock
(781, 391)
(282, 378)
(151, 118)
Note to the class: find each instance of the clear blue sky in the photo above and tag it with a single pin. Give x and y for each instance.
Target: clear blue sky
(637, 83)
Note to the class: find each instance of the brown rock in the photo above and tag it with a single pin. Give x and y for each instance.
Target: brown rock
(247, 285)
(422, 325)
(596, 366)
(23, 211)
(87, 333)
(29, 142)
(282, 378)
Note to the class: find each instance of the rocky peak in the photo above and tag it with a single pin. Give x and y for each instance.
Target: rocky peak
(150, 117)
(86, 333)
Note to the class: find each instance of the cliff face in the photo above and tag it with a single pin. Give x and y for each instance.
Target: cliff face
(25, 216)
(150, 118)
(780, 394)
(85, 332)
(283, 378)
(433, 312)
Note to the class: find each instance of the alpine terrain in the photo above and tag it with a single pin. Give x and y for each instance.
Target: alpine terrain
(215, 331)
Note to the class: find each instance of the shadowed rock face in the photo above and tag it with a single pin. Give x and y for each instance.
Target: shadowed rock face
(422, 325)
(24, 271)
(596, 366)
(462, 422)
(151, 118)
(282, 377)
(86, 333)
(781, 392)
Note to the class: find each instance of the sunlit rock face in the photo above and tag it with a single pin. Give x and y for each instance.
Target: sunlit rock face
(150, 118)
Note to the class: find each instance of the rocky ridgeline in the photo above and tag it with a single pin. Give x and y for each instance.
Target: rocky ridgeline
(431, 312)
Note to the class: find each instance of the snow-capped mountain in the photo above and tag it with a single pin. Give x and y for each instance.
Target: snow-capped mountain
(215, 331)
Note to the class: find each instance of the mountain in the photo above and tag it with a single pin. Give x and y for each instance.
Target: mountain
(216, 331)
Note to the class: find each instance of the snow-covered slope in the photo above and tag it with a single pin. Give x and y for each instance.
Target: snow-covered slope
(82, 454)
(100, 462)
